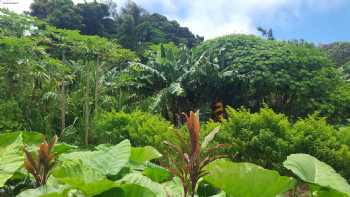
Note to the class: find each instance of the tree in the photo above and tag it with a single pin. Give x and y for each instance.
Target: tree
(137, 28)
(96, 19)
(40, 8)
(295, 79)
(267, 33)
(339, 52)
(61, 13)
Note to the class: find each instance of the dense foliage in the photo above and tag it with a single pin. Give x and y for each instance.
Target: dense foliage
(140, 128)
(295, 79)
(277, 111)
(133, 26)
(267, 138)
(339, 52)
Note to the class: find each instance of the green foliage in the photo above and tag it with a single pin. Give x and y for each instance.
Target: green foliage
(267, 138)
(311, 170)
(263, 138)
(139, 127)
(14, 119)
(107, 162)
(140, 155)
(240, 179)
(133, 26)
(161, 79)
(249, 71)
(11, 157)
(11, 152)
(12, 24)
(339, 52)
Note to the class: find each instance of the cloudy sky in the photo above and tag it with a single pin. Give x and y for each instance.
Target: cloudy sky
(319, 21)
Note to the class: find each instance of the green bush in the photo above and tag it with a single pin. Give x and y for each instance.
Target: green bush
(262, 138)
(315, 137)
(11, 118)
(266, 138)
(139, 127)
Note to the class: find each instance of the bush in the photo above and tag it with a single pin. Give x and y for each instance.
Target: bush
(139, 127)
(11, 118)
(262, 138)
(267, 138)
(319, 139)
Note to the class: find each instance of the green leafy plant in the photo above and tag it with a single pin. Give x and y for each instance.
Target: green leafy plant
(40, 165)
(246, 179)
(191, 157)
(141, 128)
(313, 171)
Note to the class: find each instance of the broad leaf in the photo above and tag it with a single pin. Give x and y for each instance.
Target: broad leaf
(246, 179)
(210, 137)
(311, 170)
(108, 161)
(140, 155)
(63, 148)
(137, 178)
(11, 151)
(174, 188)
(325, 192)
(156, 173)
(11, 156)
(79, 176)
(51, 189)
(131, 190)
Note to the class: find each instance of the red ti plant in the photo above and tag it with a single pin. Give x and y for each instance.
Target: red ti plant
(190, 156)
(39, 165)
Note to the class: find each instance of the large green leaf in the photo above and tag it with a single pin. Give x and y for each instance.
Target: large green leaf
(133, 190)
(128, 190)
(11, 151)
(320, 191)
(108, 161)
(246, 179)
(137, 178)
(11, 156)
(311, 170)
(84, 178)
(140, 155)
(52, 189)
(156, 173)
(174, 187)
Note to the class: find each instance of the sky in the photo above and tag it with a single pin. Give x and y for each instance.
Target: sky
(319, 21)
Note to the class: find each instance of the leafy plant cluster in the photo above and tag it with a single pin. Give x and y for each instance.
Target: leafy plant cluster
(266, 138)
(133, 26)
(122, 170)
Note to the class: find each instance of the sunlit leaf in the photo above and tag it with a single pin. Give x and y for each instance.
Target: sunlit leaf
(246, 179)
(311, 170)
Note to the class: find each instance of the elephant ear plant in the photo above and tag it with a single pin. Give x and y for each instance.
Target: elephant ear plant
(40, 165)
(189, 157)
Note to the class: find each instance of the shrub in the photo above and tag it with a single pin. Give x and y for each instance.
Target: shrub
(267, 138)
(314, 136)
(139, 127)
(262, 138)
(11, 116)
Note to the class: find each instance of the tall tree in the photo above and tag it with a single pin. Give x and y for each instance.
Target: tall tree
(61, 13)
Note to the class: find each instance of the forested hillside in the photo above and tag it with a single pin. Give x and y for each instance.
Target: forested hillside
(133, 104)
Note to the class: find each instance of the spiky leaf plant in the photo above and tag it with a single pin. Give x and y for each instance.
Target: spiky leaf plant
(189, 157)
(40, 164)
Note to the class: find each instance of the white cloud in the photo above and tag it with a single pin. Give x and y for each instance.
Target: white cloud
(212, 18)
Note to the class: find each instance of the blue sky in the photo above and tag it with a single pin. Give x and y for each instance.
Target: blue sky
(319, 21)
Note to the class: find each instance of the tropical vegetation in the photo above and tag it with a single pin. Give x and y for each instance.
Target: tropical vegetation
(102, 101)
